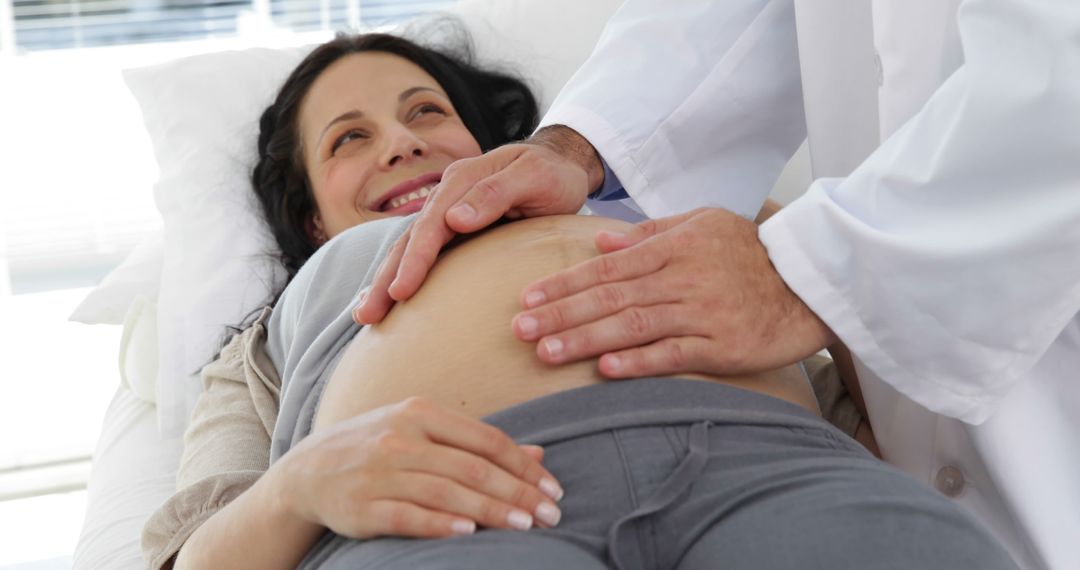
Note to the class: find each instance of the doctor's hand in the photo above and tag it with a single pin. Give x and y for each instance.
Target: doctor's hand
(552, 172)
(414, 469)
(685, 294)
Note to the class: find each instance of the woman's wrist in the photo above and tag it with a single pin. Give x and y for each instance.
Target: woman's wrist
(255, 530)
(278, 494)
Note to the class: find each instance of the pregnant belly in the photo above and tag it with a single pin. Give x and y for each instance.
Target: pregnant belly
(452, 343)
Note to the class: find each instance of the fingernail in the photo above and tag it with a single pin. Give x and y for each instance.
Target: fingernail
(553, 346)
(551, 488)
(548, 514)
(463, 212)
(528, 326)
(612, 363)
(519, 520)
(361, 298)
(356, 314)
(463, 527)
(534, 298)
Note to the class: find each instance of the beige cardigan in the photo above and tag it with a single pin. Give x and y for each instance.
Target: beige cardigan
(227, 443)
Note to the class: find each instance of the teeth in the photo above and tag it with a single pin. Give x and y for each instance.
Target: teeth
(415, 195)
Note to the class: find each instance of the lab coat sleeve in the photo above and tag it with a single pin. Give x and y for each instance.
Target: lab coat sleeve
(691, 103)
(947, 261)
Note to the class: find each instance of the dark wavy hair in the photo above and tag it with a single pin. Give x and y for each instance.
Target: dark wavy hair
(496, 107)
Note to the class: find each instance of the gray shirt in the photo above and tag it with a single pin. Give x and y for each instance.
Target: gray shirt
(312, 321)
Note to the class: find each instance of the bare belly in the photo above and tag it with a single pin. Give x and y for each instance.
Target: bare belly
(452, 343)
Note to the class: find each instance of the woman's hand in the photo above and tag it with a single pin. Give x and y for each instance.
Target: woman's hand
(551, 173)
(689, 293)
(415, 469)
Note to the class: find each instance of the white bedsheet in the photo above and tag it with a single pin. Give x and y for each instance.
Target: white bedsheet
(133, 472)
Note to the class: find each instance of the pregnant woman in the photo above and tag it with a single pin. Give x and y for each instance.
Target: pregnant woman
(319, 444)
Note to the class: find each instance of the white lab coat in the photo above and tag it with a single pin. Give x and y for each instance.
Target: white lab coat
(945, 260)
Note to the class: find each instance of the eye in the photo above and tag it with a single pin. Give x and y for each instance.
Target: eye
(348, 136)
(425, 109)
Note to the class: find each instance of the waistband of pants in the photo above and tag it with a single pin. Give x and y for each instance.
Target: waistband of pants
(648, 402)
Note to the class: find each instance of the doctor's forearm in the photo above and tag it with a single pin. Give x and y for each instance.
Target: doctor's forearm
(253, 531)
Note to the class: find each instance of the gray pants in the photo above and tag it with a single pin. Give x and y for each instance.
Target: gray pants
(686, 474)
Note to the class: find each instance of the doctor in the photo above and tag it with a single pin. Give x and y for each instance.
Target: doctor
(946, 260)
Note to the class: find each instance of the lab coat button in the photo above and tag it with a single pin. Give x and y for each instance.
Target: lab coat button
(950, 481)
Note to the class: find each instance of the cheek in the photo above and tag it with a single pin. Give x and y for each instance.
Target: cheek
(336, 195)
(342, 179)
(459, 143)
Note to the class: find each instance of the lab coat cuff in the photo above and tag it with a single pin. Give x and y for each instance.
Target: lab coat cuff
(611, 189)
(789, 247)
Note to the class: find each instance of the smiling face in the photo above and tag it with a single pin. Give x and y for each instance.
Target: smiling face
(377, 133)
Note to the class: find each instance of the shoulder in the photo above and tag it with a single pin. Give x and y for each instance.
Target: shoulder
(352, 254)
(328, 283)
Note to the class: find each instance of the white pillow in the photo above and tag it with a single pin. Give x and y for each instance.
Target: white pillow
(201, 114)
(139, 349)
(139, 275)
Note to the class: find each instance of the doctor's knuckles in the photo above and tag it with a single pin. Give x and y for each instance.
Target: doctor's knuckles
(693, 293)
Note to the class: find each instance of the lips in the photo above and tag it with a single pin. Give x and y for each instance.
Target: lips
(409, 194)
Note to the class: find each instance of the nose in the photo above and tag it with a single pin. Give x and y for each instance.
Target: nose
(402, 145)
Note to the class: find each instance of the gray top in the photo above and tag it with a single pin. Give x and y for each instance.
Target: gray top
(312, 321)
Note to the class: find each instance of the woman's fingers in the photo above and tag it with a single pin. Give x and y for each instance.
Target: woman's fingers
(534, 451)
(403, 518)
(484, 478)
(468, 434)
(448, 496)
(417, 469)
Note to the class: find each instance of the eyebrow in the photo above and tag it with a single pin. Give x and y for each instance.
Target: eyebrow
(413, 90)
(356, 114)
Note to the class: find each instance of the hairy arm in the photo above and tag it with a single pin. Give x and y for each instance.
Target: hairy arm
(841, 356)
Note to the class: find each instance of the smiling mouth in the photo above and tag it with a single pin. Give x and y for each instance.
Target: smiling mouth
(419, 194)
